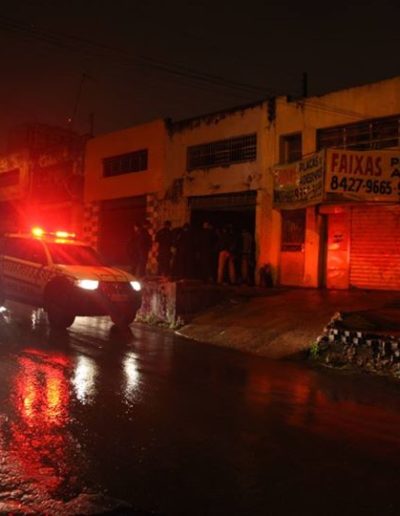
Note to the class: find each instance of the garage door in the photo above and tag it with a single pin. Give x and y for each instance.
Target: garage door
(375, 247)
(117, 218)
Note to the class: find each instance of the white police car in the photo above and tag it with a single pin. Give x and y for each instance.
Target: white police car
(65, 277)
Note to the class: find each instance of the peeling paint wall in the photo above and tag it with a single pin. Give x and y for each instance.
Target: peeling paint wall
(217, 180)
(234, 178)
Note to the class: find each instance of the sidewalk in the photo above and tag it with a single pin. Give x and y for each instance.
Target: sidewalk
(284, 322)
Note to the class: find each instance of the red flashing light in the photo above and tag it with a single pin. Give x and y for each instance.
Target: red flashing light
(37, 232)
(64, 234)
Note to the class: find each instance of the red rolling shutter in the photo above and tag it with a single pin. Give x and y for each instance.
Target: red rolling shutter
(375, 247)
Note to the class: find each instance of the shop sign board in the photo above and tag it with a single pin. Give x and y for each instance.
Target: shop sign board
(13, 177)
(299, 184)
(362, 175)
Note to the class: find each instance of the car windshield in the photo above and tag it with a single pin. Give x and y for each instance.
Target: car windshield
(71, 254)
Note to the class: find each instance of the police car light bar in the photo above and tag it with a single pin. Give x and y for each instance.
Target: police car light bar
(64, 234)
(39, 232)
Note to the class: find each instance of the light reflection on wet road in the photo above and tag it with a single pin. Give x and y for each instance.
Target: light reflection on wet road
(92, 417)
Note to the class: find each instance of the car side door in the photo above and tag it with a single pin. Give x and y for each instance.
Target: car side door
(24, 265)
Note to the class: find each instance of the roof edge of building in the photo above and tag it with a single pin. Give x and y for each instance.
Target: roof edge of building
(340, 90)
(192, 122)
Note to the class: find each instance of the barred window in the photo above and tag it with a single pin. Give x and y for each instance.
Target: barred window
(371, 134)
(125, 163)
(222, 153)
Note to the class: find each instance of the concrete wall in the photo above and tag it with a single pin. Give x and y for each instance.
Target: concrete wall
(174, 303)
(217, 180)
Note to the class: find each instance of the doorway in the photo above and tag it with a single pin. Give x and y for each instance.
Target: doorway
(117, 218)
(237, 210)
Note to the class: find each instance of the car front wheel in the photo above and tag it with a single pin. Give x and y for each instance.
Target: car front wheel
(59, 319)
(123, 316)
(58, 311)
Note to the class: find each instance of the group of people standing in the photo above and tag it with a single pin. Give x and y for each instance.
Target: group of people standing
(222, 255)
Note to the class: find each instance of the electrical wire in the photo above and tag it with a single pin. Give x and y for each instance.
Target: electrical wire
(172, 71)
(75, 43)
(326, 107)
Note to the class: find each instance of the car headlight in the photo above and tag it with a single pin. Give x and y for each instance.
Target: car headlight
(87, 284)
(136, 286)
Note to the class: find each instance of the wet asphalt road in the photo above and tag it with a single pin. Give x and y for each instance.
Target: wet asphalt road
(143, 422)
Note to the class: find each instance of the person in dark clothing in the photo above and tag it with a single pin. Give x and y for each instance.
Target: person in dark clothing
(185, 252)
(144, 246)
(164, 242)
(138, 249)
(133, 249)
(206, 248)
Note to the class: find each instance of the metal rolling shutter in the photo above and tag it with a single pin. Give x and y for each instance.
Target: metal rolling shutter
(239, 200)
(375, 247)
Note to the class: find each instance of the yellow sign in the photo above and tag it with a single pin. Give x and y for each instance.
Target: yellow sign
(362, 175)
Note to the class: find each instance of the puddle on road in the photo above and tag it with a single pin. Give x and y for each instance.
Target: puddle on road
(40, 457)
(44, 378)
(64, 398)
(42, 462)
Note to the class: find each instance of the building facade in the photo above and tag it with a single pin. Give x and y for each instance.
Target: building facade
(219, 161)
(125, 182)
(203, 169)
(347, 235)
(314, 180)
(41, 179)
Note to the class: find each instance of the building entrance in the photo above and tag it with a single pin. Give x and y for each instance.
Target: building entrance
(235, 210)
(117, 218)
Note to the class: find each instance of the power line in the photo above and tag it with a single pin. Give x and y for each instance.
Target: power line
(335, 109)
(178, 73)
(75, 43)
(320, 106)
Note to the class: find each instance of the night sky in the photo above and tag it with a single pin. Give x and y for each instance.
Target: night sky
(129, 62)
